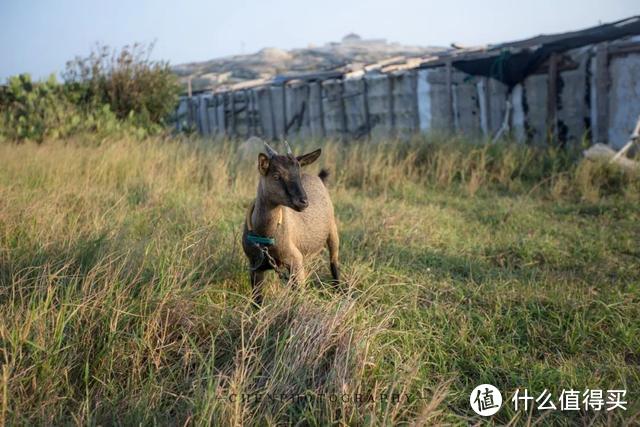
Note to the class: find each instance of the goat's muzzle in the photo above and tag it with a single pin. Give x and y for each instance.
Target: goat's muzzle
(301, 204)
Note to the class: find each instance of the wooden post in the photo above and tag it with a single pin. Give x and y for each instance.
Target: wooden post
(323, 129)
(602, 93)
(190, 114)
(256, 112)
(232, 110)
(416, 108)
(189, 106)
(307, 107)
(449, 94)
(199, 117)
(284, 110)
(392, 115)
(216, 127)
(258, 127)
(247, 108)
(343, 113)
(192, 118)
(552, 97)
(222, 99)
(486, 106)
(367, 115)
(206, 125)
(272, 113)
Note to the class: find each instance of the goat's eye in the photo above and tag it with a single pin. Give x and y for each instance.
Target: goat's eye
(276, 177)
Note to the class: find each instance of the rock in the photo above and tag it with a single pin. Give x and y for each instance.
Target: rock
(603, 152)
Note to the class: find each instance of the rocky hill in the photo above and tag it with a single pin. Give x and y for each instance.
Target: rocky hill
(351, 52)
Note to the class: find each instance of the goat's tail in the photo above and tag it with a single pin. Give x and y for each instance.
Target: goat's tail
(323, 175)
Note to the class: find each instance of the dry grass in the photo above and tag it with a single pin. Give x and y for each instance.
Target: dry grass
(124, 293)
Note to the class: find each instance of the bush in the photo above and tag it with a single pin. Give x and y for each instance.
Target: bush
(43, 110)
(34, 110)
(126, 80)
(105, 93)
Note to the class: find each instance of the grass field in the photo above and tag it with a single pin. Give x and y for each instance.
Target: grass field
(124, 294)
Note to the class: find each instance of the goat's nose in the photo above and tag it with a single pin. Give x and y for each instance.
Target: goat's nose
(304, 202)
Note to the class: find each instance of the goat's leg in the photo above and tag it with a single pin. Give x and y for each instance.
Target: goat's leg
(296, 268)
(333, 243)
(257, 280)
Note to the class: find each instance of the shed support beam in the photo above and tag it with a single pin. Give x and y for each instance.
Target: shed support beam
(367, 115)
(602, 93)
(449, 95)
(552, 98)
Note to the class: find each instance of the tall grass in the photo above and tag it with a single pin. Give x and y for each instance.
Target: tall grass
(124, 296)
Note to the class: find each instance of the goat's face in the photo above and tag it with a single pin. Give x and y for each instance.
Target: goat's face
(281, 180)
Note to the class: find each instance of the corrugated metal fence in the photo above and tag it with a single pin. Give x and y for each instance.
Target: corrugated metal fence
(592, 91)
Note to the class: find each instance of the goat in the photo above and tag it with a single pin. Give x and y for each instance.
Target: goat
(290, 219)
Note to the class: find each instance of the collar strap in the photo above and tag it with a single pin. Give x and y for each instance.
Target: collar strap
(260, 240)
(254, 238)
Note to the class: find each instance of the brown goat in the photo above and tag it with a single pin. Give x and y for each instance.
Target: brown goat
(291, 218)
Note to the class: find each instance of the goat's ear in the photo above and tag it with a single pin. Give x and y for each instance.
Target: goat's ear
(307, 159)
(263, 163)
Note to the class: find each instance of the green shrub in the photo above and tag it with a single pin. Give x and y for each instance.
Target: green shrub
(32, 110)
(107, 93)
(41, 111)
(133, 85)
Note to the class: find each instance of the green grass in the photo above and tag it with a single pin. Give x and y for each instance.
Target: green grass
(124, 294)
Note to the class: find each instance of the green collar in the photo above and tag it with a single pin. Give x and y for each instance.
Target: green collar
(260, 240)
(254, 238)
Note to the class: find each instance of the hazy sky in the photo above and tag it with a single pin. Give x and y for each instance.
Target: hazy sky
(40, 36)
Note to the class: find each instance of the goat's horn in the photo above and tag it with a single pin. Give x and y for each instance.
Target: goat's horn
(270, 151)
(286, 144)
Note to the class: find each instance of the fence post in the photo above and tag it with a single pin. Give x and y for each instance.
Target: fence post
(552, 97)
(449, 95)
(284, 110)
(392, 114)
(367, 116)
(602, 92)
(232, 110)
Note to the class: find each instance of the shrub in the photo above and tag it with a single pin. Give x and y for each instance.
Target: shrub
(43, 110)
(127, 80)
(32, 110)
(106, 93)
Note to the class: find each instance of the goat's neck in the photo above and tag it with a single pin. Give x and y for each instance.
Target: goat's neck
(265, 216)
